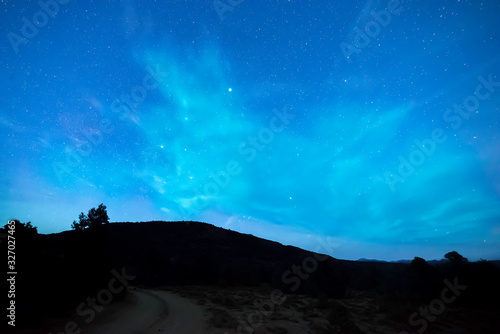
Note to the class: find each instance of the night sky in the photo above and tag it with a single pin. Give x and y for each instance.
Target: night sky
(354, 128)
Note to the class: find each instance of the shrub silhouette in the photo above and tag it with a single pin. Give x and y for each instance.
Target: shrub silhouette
(455, 258)
(25, 229)
(95, 217)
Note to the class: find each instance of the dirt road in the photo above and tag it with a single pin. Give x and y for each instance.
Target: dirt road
(149, 311)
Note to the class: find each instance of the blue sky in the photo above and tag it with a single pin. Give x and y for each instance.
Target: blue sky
(358, 129)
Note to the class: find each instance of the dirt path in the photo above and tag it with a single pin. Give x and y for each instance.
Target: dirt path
(150, 311)
(184, 317)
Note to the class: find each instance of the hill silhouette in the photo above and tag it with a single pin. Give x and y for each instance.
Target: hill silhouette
(67, 267)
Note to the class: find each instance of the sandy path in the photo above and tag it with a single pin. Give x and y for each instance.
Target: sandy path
(184, 317)
(150, 311)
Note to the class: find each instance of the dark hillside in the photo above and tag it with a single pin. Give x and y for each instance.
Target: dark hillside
(68, 267)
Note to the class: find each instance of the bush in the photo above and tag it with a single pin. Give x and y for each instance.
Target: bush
(95, 217)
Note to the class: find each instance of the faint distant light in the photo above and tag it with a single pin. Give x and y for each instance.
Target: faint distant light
(290, 197)
(161, 146)
(230, 89)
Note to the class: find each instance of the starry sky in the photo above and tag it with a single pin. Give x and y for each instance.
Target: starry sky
(353, 128)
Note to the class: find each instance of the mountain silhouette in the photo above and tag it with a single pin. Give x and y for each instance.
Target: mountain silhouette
(61, 270)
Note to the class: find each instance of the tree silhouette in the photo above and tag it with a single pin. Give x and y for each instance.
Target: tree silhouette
(455, 258)
(98, 216)
(26, 228)
(95, 217)
(418, 262)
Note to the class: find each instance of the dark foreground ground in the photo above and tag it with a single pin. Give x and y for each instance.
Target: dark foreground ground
(189, 277)
(216, 310)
